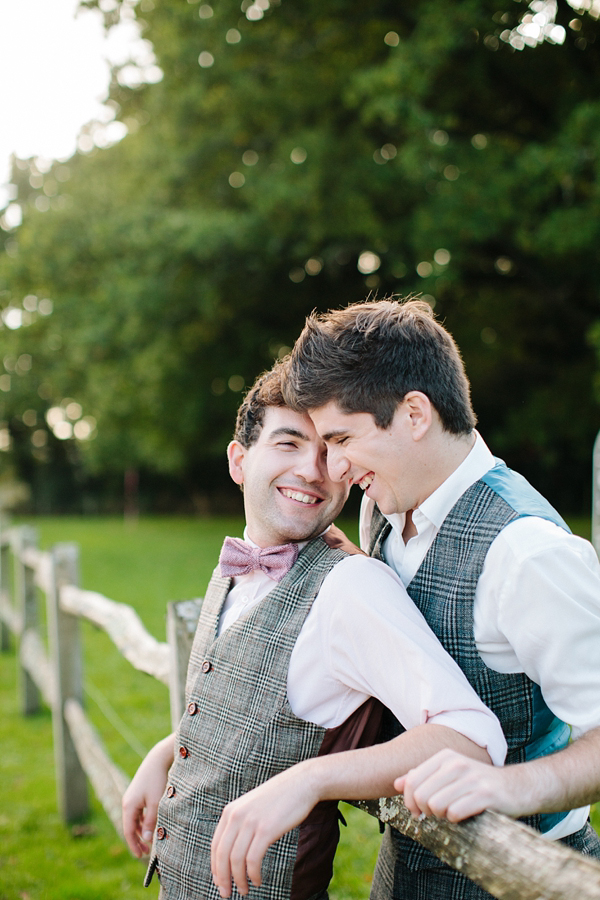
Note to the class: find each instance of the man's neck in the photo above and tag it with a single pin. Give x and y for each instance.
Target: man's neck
(443, 459)
(448, 454)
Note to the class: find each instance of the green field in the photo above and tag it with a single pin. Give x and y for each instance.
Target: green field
(145, 565)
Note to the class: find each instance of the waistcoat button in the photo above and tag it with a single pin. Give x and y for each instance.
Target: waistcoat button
(184, 752)
(161, 833)
(170, 791)
(192, 708)
(206, 666)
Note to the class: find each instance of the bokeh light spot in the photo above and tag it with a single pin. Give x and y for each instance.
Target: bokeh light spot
(368, 262)
(442, 256)
(503, 265)
(439, 137)
(313, 265)
(236, 383)
(298, 155)
(424, 269)
(250, 157)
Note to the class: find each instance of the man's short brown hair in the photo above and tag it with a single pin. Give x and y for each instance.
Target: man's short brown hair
(368, 356)
(265, 392)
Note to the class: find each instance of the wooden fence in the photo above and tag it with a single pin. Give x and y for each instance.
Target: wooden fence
(506, 858)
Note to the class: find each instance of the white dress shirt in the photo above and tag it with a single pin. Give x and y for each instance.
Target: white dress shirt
(537, 603)
(364, 637)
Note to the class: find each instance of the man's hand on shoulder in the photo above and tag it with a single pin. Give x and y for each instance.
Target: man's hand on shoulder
(250, 824)
(337, 540)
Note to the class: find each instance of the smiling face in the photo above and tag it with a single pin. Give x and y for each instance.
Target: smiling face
(382, 461)
(288, 492)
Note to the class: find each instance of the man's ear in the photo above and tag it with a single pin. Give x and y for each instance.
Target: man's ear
(420, 413)
(236, 455)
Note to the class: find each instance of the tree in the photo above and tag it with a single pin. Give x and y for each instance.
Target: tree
(294, 158)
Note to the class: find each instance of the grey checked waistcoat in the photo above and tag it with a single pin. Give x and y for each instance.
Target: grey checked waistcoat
(444, 590)
(238, 731)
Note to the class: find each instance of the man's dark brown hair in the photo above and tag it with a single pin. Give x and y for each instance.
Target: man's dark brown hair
(368, 356)
(266, 391)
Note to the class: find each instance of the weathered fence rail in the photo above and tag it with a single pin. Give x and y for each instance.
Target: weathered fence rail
(509, 860)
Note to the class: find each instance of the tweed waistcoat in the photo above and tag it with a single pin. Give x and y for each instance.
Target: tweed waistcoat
(239, 730)
(444, 590)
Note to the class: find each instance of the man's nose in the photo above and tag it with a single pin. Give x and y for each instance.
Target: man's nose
(338, 465)
(312, 467)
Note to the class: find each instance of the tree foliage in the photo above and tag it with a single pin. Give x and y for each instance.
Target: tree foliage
(183, 259)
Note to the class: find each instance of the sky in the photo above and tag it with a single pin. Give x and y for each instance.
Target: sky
(54, 75)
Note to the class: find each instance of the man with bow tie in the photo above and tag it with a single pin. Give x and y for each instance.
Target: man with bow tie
(290, 666)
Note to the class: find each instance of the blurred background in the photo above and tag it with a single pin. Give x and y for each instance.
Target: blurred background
(181, 183)
(247, 164)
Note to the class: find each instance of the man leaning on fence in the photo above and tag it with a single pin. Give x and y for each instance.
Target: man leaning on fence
(297, 647)
(511, 594)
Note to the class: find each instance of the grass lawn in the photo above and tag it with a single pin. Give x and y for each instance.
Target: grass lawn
(145, 565)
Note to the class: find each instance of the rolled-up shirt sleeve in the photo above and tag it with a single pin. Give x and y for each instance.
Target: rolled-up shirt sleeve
(375, 641)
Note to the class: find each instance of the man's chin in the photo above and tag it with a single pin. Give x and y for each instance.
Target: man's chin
(385, 506)
(298, 535)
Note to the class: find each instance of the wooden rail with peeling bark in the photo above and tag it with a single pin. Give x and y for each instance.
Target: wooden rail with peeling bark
(124, 627)
(507, 859)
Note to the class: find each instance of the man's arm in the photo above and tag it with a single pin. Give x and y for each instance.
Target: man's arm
(141, 799)
(253, 822)
(455, 787)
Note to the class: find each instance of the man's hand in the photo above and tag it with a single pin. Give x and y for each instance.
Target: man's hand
(141, 799)
(250, 824)
(337, 540)
(452, 786)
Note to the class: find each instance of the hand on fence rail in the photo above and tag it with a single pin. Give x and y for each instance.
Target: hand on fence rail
(452, 786)
(141, 799)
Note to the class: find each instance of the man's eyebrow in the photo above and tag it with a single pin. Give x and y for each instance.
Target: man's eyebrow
(289, 432)
(330, 435)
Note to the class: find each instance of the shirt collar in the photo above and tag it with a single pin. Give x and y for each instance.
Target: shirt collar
(437, 506)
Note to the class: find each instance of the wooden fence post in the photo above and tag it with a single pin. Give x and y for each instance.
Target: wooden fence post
(28, 612)
(5, 598)
(66, 660)
(596, 496)
(182, 619)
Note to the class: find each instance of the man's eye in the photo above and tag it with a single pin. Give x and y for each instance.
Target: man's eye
(287, 445)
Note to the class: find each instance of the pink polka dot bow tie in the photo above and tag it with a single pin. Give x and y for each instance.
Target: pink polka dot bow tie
(240, 558)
